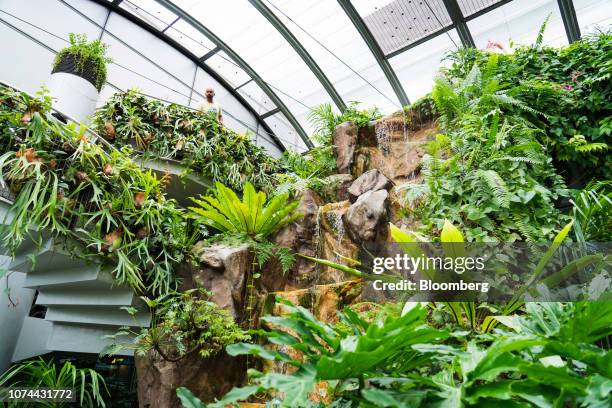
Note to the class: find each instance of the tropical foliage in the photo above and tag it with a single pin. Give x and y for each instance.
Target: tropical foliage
(66, 182)
(196, 139)
(571, 86)
(592, 209)
(254, 216)
(488, 171)
(543, 360)
(88, 385)
(251, 220)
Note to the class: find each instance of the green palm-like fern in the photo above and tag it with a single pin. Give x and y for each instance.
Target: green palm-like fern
(254, 215)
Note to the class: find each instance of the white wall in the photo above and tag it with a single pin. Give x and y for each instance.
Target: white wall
(11, 318)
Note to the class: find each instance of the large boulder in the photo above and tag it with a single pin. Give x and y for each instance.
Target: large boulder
(223, 270)
(371, 180)
(322, 300)
(392, 145)
(344, 141)
(366, 219)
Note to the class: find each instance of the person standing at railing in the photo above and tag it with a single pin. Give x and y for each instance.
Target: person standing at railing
(208, 105)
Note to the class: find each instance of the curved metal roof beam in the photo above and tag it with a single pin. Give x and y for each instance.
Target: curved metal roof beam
(454, 11)
(367, 36)
(299, 48)
(242, 63)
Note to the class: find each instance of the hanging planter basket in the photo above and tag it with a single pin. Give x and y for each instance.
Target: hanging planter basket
(70, 65)
(73, 88)
(78, 75)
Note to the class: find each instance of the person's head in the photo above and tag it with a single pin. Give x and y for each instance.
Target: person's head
(210, 93)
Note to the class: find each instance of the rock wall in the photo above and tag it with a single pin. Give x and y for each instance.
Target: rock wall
(373, 163)
(208, 378)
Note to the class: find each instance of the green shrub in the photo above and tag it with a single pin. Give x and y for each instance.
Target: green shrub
(488, 171)
(182, 324)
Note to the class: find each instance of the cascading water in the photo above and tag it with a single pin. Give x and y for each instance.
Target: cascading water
(335, 220)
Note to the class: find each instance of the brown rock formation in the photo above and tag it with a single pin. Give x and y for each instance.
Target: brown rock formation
(371, 180)
(366, 219)
(344, 182)
(223, 270)
(393, 145)
(208, 378)
(301, 237)
(344, 141)
(334, 242)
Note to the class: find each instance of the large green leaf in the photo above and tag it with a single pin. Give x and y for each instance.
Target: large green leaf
(188, 399)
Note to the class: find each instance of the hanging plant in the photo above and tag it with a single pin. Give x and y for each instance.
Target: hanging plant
(85, 59)
(176, 132)
(74, 188)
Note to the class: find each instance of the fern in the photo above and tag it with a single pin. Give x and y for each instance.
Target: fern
(264, 251)
(505, 99)
(521, 159)
(323, 120)
(286, 258)
(540, 39)
(445, 98)
(473, 79)
(523, 224)
(497, 185)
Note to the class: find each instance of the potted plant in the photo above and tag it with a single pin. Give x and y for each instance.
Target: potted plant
(78, 75)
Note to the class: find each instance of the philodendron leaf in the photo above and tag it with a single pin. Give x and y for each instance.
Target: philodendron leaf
(235, 395)
(381, 398)
(188, 399)
(260, 351)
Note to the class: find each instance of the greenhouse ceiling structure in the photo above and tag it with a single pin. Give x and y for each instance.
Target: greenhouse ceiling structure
(272, 61)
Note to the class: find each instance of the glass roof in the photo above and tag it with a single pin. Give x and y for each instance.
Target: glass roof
(289, 56)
